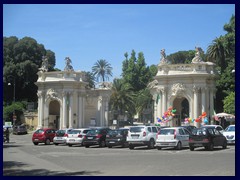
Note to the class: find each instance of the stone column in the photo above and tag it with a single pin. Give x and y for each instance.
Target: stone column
(80, 111)
(40, 109)
(106, 111)
(164, 101)
(211, 102)
(64, 119)
(195, 106)
(155, 108)
(203, 89)
(70, 110)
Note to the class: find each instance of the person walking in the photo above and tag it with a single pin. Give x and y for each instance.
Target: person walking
(7, 135)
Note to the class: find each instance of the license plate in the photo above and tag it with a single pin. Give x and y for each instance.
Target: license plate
(111, 142)
(198, 144)
(90, 137)
(35, 139)
(71, 139)
(59, 138)
(135, 137)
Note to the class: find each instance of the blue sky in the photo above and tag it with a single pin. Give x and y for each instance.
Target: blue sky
(87, 32)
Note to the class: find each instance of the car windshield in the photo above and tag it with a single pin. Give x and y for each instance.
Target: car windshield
(116, 132)
(93, 132)
(167, 131)
(39, 131)
(201, 131)
(230, 128)
(75, 132)
(136, 129)
(60, 132)
(86, 131)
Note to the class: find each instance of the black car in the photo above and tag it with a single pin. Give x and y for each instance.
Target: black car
(19, 129)
(96, 136)
(207, 137)
(117, 137)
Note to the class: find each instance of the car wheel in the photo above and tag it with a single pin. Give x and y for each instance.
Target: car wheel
(159, 148)
(35, 143)
(179, 146)
(86, 146)
(210, 147)
(102, 144)
(125, 144)
(131, 146)
(69, 145)
(191, 148)
(206, 147)
(47, 142)
(151, 144)
(224, 145)
(56, 144)
(109, 146)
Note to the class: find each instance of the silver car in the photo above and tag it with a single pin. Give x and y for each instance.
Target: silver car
(75, 137)
(177, 137)
(61, 136)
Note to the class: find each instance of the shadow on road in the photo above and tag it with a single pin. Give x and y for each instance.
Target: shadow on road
(12, 168)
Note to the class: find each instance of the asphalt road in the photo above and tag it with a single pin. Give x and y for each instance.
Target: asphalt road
(22, 158)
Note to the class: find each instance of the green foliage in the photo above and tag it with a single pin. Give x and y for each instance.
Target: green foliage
(181, 57)
(90, 79)
(229, 103)
(122, 98)
(21, 60)
(16, 108)
(102, 69)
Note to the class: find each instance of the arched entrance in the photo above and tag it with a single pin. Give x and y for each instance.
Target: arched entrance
(181, 105)
(54, 114)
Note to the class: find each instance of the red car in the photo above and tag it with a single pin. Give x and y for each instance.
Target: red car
(44, 135)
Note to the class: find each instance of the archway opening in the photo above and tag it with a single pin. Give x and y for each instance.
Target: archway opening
(181, 105)
(54, 114)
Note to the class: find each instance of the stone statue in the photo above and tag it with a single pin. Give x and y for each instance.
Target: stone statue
(68, 66)
(163, 59)
(44, 67)
(197, 57)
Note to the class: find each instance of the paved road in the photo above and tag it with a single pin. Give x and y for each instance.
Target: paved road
(22, 158)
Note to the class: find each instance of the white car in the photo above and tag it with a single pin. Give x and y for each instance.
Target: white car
(61, 136)
(177, 137)
(229, 133)
(75, 137)
(142, 136)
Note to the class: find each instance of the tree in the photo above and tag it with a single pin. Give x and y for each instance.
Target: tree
(21, 60)
(181, 57)
(229, 103)
(102, 69)
(90, 79)
(122, 98)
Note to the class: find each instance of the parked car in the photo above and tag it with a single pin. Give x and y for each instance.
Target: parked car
(61, 136)
(229, 133)
(177, 137)
(117, 137)
(75, 137)
(19, 129)
(189, 127)
(44, 135)
(207, 137)
(142, 136)
(96, 136)
(218, 127)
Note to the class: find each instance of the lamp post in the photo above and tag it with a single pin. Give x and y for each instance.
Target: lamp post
(14, 86)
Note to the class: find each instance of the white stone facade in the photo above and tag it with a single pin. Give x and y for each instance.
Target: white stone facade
(193, 82)
(64, 101)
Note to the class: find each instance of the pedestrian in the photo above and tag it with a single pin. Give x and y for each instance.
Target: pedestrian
(7, 135)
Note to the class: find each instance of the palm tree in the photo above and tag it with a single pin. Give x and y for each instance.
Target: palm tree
(216, 51)
(102, 69)
(122, 98)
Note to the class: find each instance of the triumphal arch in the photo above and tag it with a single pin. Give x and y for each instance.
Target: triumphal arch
(189, 89)
(66, 101)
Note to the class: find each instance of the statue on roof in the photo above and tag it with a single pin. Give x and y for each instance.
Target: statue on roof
(197, 57)
(68, 66)
(163, 59)
(44, 67)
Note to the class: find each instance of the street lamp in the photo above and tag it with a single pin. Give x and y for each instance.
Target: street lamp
(14, 86)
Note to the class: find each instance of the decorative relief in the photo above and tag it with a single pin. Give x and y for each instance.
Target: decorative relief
(44, 67)
(197, 57)
(177, 89)
(152, 84)
(196, 88)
